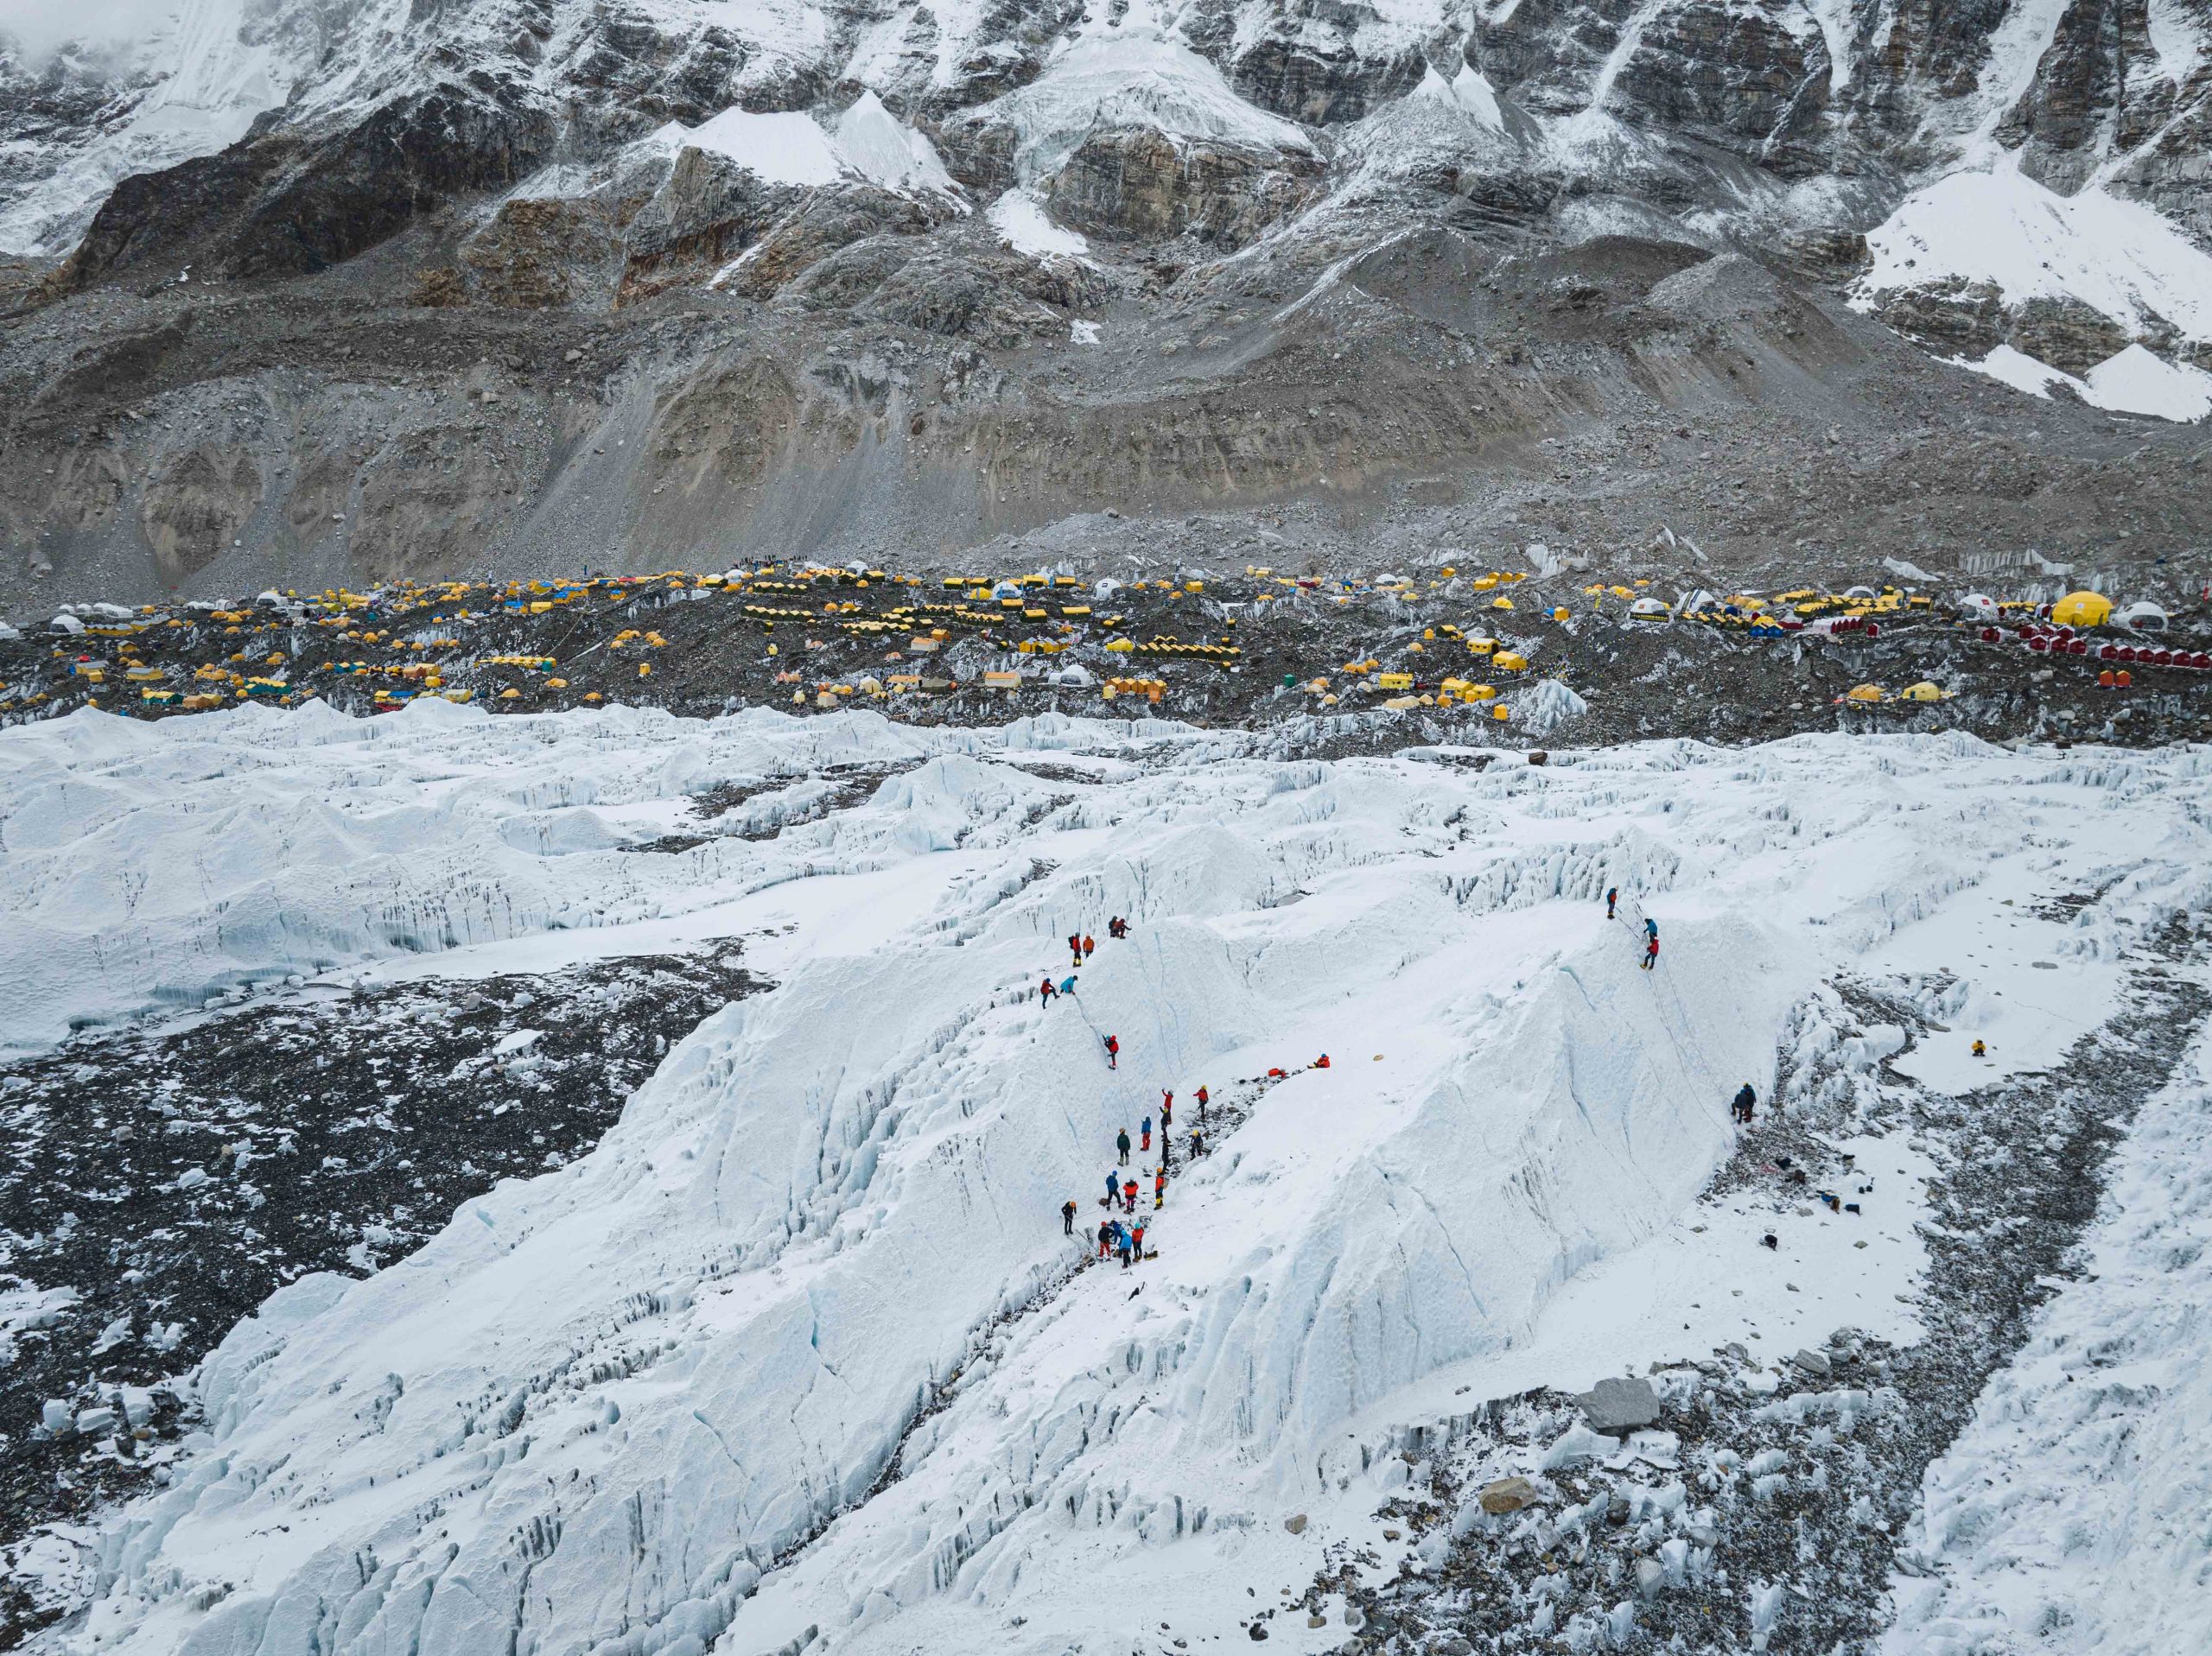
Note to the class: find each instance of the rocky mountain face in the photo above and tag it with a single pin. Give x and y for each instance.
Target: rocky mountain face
(301, 288)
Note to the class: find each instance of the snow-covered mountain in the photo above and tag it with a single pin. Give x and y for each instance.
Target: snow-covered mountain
(807, 271)
(1149, 119)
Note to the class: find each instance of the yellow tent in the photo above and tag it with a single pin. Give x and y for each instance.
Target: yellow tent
(2082, 610)
(1865, 693)
(1923, 691)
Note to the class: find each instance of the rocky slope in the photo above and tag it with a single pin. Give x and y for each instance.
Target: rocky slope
(310, 289)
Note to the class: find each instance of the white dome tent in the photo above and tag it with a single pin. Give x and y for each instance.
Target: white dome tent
(1978, 607)
(1649, 609)
(2145, 616)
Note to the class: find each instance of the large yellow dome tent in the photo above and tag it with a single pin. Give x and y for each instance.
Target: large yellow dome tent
(2082, 610)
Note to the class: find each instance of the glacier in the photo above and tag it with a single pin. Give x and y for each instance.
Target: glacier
(798, 1357)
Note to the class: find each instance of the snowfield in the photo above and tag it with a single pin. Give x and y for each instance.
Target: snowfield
(797, 1357)
(2077, 1501)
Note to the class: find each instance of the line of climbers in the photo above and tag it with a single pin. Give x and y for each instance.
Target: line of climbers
(1651, 927)
(1080, 945)
(1126, 1241)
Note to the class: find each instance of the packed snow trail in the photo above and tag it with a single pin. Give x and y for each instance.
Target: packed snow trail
(651, 1403)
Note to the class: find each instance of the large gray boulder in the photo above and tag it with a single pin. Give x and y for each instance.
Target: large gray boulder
(1619, 1406)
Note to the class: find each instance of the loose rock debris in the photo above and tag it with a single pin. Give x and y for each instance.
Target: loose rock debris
(1764, 1508)
(156, 1185)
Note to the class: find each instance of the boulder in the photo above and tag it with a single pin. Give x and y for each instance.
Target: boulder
(1618, 1408)
(1508, 1495)
(1296, 1525)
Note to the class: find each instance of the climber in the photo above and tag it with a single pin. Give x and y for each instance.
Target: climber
(1122, 1144)
(1166, 1111)
(1160, 1188)
(1129, 1196)
(1145, 1127)
(1650, 928)
(1075, 946)
(1067, 984)
(1651, 951)
(1612, 896)
(1741, 1109)
(1067, 1218)
(1113, 1052)
(1088, 945)
(1045, 992)
(1128, 1244)
(1137, 1241)
(1117, 927)
(1198, 1146)
(1113, 1183)
(1202, 1096)
(1980, 1050)
(1321, 1063)
(1105, 1236)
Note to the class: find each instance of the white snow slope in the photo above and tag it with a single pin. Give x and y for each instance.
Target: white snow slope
(2074, 1514)
(2000, 229)
(618, 1409)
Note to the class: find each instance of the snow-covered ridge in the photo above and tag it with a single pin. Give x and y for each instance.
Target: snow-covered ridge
(2001, 227)
(1999, 232)
(638, 1383)
(790, 148)
(1136, 73)
(214, 77)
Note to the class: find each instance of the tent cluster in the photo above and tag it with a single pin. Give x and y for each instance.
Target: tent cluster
(1805, 609)
(1874, 694)
(2057, 637)
(462, 639)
